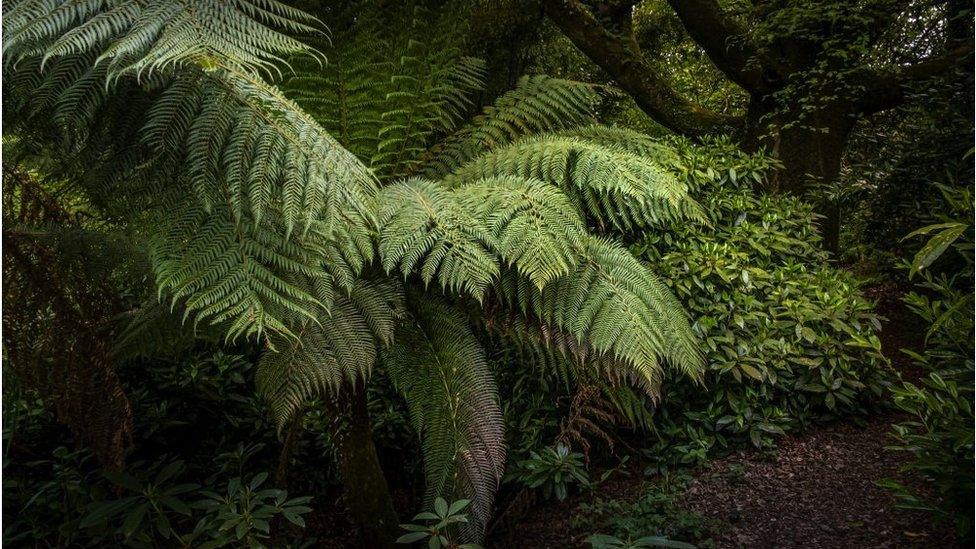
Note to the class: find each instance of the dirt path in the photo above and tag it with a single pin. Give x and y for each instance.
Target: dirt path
(817, 492)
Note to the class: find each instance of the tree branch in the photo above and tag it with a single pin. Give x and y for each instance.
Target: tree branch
(724, 40)
(886, 89)
(620, 56)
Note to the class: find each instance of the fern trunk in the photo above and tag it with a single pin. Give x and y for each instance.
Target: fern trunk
(365, 490)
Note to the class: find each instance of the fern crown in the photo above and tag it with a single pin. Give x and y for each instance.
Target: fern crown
(356, 215)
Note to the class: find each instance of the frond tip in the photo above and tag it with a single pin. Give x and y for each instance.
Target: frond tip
(620, 310)
(440, 368)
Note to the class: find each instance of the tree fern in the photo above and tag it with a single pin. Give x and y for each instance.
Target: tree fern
(609, 184)
(330, 351)
(533, 227)
(346, 95)
(440, 369)
(643, 145)
(386, 94)
(537, 104)
(261, 219)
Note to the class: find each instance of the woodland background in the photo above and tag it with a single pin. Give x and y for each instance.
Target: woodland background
(548, 273)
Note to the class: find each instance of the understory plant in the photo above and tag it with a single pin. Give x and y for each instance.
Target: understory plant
(654, 517)
(351, 216)
(938, 436)
(789, 339)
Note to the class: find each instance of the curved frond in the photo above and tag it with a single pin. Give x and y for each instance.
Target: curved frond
(616, 306)
(440, 368)
(134, 36)
(334, 349)
(608, 183)
(537, 104)
(424, 227)
(533, 226)
(629, 140)
(221, 152)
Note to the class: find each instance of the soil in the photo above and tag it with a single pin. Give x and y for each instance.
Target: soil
(817, 492)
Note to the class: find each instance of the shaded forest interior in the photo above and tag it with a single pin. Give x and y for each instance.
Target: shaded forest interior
(504, 273)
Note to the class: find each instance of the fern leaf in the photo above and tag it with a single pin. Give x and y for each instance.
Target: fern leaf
(439, 367)
(424, 227)
(537, 104)
(139, 37)
(617, 307)
(533, 226)
(333, 350)
(611, 185)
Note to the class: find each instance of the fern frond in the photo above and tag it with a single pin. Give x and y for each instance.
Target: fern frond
(551, 348)
(334, 349)
(385, 94)
(153, 330)
(134, 36)
(641, 144)
(534, 228)
(346, 96)
(537, 104)
(245, 153)
(617, 307)
(440, 368)
(609, 184)
(424, 227)
(430, 95)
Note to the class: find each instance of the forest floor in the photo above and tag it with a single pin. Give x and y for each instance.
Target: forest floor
(817, 490)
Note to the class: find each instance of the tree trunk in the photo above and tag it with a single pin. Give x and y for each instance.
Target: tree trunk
(284, 458)
(810, 150)
(365, 490)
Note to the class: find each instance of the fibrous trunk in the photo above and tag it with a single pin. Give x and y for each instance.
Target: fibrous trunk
(366, 493)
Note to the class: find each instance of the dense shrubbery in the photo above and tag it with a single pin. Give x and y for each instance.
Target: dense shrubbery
(789, 339)
(939, 434)
(655, 516)
(199, 478)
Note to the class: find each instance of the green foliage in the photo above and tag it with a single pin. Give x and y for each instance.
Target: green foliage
(145, 512)
(938, 436)
(240, 517)
(603, 541)
(50, 506)
(441, 371)
(243, 514)
(653, 517)
(197, 410)
(437, 531)
(263, 222)
(553, 471)
(789, 340)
